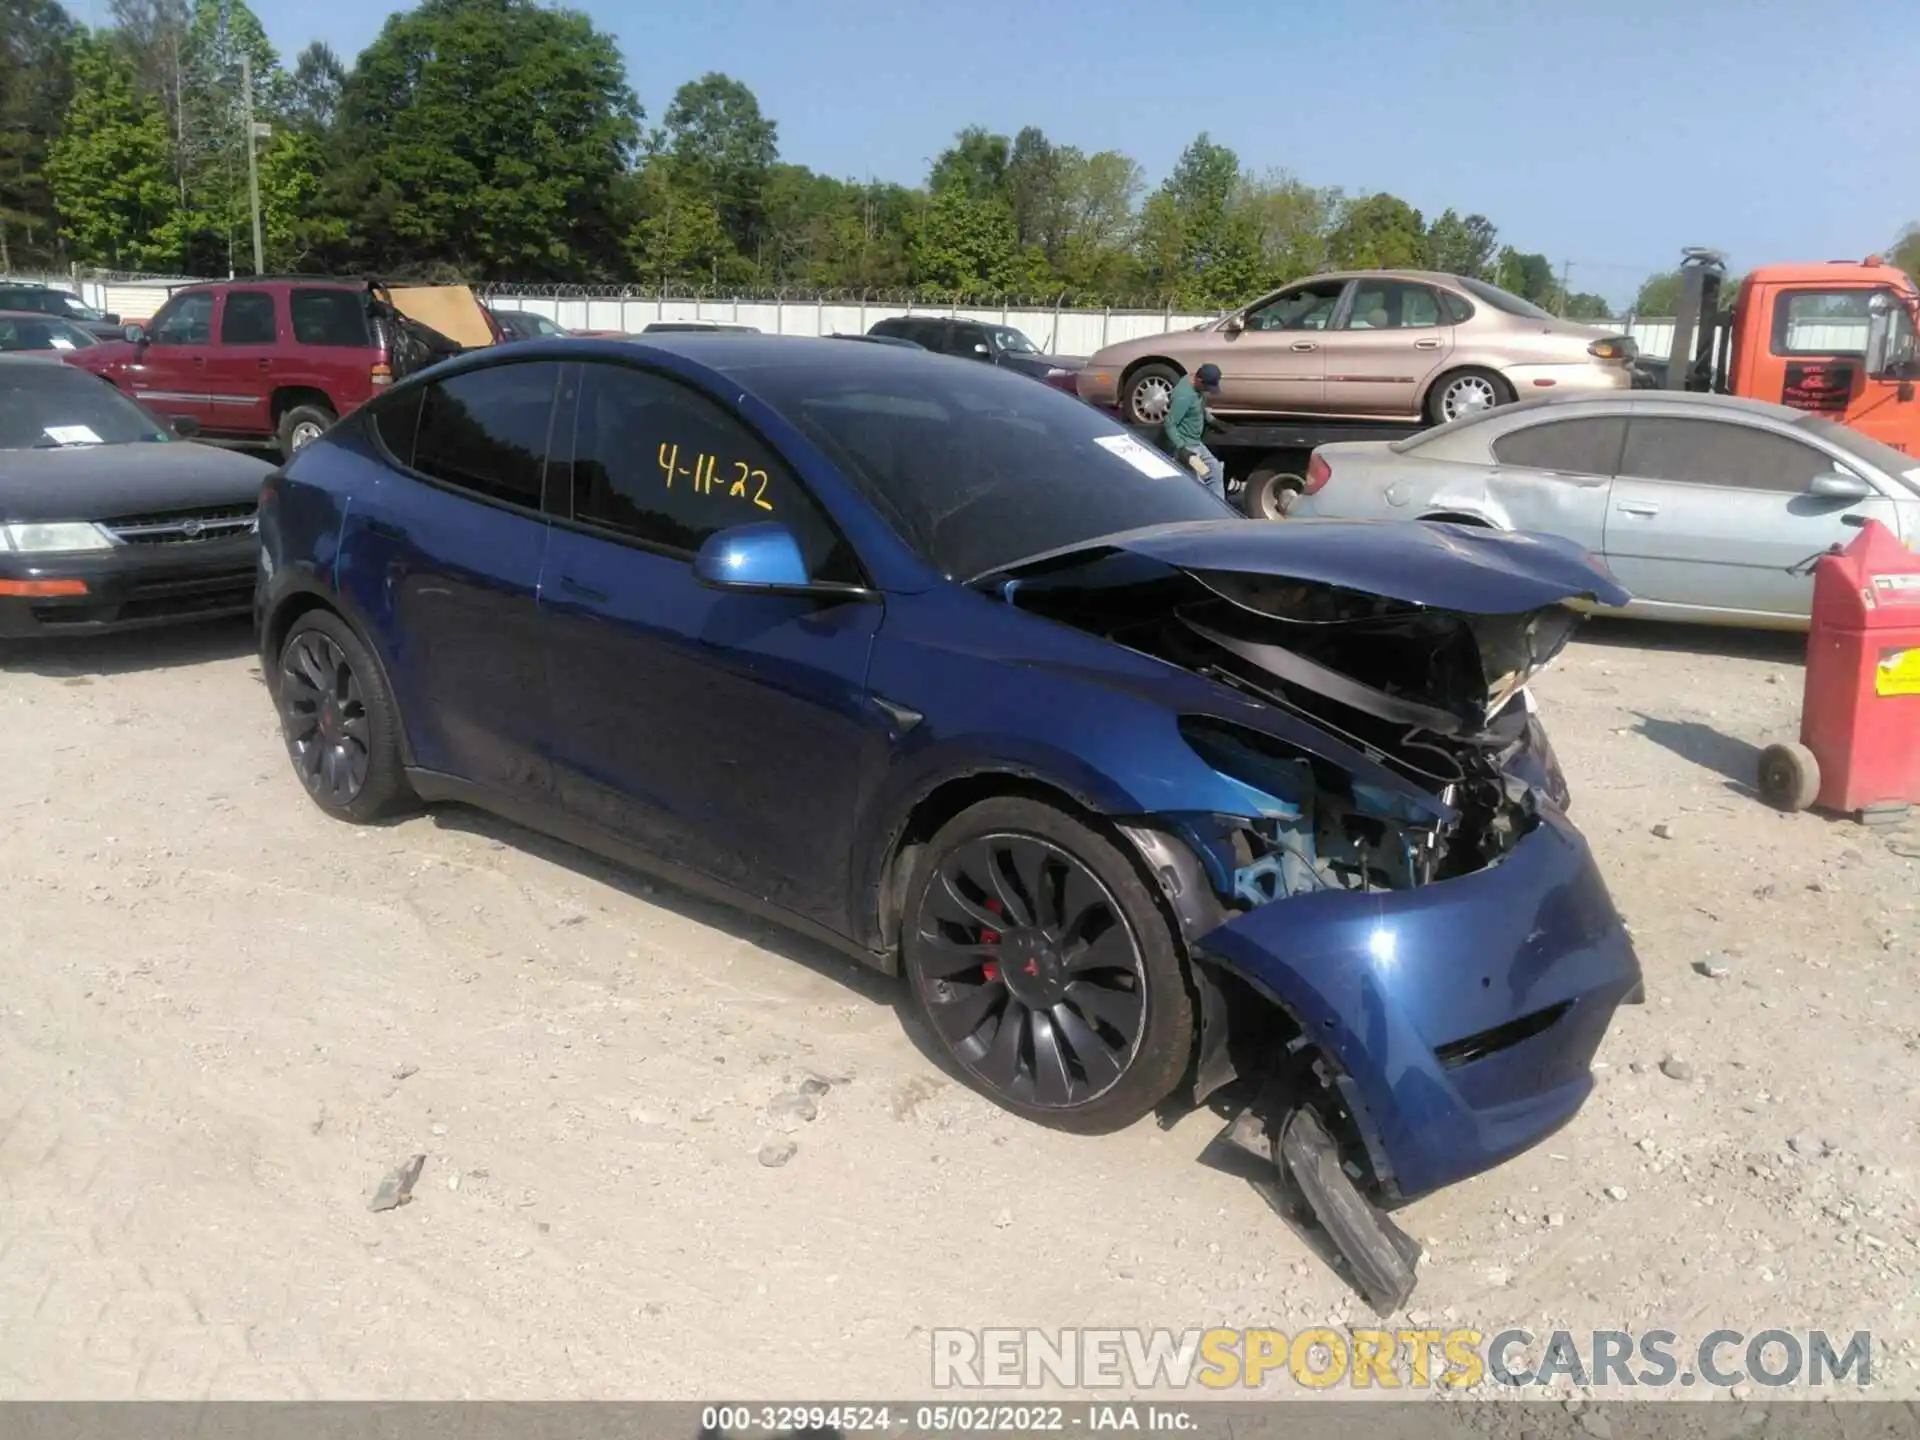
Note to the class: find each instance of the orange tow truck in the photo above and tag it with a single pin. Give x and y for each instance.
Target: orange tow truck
(1835, 337)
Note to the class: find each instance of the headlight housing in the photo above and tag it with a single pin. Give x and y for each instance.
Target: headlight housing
(63, 537)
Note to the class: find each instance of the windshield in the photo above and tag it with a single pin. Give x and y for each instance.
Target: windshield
(1500, 300)
(44, 406)
(76, 310)
(41, 332)
(974, 467)
(1004, 339)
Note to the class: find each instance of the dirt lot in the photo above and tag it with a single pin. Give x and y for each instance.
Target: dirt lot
(223, 1018)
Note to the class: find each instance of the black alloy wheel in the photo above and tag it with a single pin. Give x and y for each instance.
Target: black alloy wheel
(1043, 979)
(338, 719)
(328, 728)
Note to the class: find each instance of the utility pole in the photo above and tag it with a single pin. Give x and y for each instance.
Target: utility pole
(1565, 267)
(253, 169)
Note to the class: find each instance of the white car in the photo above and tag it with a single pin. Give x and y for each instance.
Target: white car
(1706, 507)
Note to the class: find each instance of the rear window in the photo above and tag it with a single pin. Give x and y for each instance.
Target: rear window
(1502, 300)
(330, 317)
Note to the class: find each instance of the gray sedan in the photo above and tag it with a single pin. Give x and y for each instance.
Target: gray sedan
(1706, 507)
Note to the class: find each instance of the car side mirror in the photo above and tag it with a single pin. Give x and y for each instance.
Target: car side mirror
(1839, 485)
(1879, 336)
(1234, 324)
(185, 426)
(134, 334)
(764, 558)
(982, 350)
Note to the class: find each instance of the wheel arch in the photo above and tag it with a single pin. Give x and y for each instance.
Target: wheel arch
(286, 397)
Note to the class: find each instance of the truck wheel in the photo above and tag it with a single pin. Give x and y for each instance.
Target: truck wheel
(1789, 777)
(1147, 394)
(1466, 392)
(301, 426)
(1270, 490)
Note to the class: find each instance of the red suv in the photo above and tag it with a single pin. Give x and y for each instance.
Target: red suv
(276, 361)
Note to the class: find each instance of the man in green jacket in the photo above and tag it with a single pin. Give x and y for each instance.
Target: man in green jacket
(1187, 423)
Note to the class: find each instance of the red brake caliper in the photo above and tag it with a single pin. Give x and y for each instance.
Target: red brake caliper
(990, 968)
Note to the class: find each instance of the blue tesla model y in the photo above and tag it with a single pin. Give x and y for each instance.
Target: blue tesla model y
(948, 669)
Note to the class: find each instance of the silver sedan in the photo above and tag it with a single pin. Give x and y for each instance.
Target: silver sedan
(1706, 507)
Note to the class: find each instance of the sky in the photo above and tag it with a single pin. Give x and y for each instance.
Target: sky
(1605, 133)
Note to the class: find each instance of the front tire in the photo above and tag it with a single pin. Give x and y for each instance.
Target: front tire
(301, 426)
(1147, 393)
(339, 722)
(1270, 492)
(1045, 969)
(1472, 391)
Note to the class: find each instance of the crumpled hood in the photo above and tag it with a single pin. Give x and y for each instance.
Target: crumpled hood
(1425, 627)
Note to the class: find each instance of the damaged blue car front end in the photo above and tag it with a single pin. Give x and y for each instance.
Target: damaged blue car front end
(1390, 918)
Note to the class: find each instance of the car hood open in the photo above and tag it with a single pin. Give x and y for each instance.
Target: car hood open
(1421, 626)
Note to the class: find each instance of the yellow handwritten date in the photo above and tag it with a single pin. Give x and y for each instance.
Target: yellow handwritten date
(747, 482)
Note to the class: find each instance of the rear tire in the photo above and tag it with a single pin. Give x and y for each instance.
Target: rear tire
(1269, 492)
(1045, 969)
(1471, 391)
(1147, 393)
(301, 426)
(339, 721)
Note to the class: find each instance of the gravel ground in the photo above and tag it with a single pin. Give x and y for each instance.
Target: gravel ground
(223, 1018)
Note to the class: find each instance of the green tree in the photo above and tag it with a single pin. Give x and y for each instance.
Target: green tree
(677, 233)
(36, 82)
(975, 165)
(1378, 232)
(219, 34)
(1293, 221)
(1198, 247)
(966, 246)
(1034, 190)
(300, 231)
(1906, 250)
(490, 136)
(109, 168)
(313, 90)
(1585, 306)
(1462, 247)
(720, 143)
(1097, 197)
(1530, 276)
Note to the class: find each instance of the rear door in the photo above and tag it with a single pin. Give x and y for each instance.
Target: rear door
(442, 558)
(239, 366)
(1555, 476)
(1716, 514)
(1391, 337)
(726, 732)
(168, 374)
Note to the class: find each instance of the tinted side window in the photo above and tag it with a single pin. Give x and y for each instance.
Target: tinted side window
(663, 463)
(1573, 447)
(1392, 305)
(486, 431)
(329, 317)
(1459, 309)
(247, 319)
(1709, 452)
(396, 422)
(184, 320)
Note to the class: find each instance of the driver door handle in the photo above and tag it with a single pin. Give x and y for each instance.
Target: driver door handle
(1426, 344)
(1638, 507)
(1305, 345)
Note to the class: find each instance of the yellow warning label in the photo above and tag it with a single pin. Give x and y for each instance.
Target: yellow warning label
(1898, 673)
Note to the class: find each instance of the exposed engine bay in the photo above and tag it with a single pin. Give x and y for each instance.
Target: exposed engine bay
(1435, 695)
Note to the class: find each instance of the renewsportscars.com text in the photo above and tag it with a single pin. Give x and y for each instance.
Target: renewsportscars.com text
(1320, 1358)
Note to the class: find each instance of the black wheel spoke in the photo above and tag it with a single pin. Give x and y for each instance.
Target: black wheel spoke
(1111, 949)
(1119, 1010)
(961, 1014)
(952, 903)
(312, 667)
(1081, 900)
(1052, 1082)
(942, 959)
(325, 718)
(359, 728)
(1001, 1067)
(1096, 1057)
(1004, 879)
(333, 769)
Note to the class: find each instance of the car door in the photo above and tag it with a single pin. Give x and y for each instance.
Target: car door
(441, 558)
(1715, 513)
(1388, 339)
(1272, 358)
(168, 373)
(1554, 476)
(239, 368)
(727, 732)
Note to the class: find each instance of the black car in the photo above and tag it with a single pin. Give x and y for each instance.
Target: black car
(526, 325)
(108, 521)
(1000, 345)
(17, 295)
